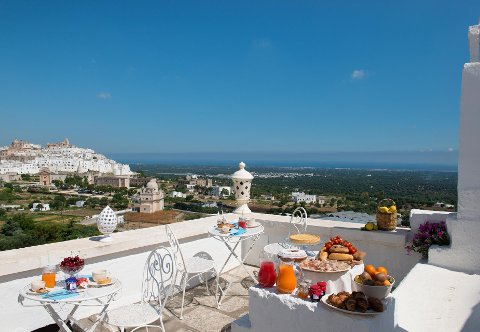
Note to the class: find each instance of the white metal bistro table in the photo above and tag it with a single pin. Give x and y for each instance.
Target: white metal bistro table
(96, 296)
(232, 242)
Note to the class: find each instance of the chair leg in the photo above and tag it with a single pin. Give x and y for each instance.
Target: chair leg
(184, 286)
(206, 282)
(161, 324)
(217, 277)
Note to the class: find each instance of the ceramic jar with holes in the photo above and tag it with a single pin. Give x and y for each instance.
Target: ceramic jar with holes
(242, 182)
(106, 223)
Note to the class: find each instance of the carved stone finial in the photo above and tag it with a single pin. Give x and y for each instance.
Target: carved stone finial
(474, 42)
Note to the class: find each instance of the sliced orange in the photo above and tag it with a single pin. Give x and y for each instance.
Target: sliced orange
(386, 283)
(370, 269)
(382, 270)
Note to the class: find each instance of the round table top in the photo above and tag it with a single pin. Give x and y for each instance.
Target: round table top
(88, 294)
(214, 231)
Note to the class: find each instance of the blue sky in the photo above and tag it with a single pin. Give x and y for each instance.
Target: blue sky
(228, 76)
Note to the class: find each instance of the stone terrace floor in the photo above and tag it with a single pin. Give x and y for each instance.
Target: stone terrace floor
(200, 312)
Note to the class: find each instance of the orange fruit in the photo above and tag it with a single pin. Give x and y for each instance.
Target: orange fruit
(370, 269)
(386, 283)
(382, 270)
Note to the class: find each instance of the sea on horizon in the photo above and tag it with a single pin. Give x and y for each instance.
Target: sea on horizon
(427, 161)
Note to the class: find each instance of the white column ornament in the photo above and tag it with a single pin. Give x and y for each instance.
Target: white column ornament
(242, 182)
(106, 223)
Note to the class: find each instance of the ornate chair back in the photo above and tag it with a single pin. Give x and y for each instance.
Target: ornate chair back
(158, 277)
(175, 246)
(298, 221)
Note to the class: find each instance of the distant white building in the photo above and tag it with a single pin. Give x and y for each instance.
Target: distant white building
(321, 200)
(40, 207)
(444, 205)
(190, 187)
(298, 197)
(80, 204)
(267, 197)
(177, 194)
(217, 191)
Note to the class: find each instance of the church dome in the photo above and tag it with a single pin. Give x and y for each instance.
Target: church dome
(152, 184)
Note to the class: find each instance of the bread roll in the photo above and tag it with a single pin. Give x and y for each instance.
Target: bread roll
(339, 249)
(340, 257)
(323, 255)
(359, 255)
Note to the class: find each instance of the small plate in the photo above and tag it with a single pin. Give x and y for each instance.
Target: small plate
(366, 313)
(43, 291)
(254, 225)
(93, 283)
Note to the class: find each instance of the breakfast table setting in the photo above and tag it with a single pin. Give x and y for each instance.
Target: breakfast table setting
(334, 285)
(232, 234)
(55, 290)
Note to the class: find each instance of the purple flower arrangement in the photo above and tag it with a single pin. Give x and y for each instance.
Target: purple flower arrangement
(428, 234)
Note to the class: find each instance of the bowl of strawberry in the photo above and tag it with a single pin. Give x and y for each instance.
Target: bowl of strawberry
(72, 265)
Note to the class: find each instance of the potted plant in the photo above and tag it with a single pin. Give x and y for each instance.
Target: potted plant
(429, 233)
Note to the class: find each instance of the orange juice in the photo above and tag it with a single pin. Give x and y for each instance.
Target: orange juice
(48, 275)
(49, 279)
(286, 280)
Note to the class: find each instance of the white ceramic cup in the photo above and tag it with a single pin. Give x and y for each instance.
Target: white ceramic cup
(37, 284)
(251, 222)
(99, 274)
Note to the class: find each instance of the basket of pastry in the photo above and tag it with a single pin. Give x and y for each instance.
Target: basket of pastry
(355, 303)
(387, 215)
(341, 250)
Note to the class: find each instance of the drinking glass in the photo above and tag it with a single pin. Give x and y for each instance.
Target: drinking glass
(48, 275)
(267, 274)
(242, 223)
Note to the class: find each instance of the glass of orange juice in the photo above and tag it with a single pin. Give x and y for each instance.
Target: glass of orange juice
(48, 275)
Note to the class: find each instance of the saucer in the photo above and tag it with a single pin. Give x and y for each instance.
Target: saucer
(255, 224)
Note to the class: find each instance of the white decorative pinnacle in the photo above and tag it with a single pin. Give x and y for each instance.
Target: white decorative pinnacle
(106, 223)
(242, 182)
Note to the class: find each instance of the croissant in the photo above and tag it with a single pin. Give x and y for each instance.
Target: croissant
(375, 304)
(351, 304)
(362, 302)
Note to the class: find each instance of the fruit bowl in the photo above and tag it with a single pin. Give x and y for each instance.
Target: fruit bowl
(380, 292)
(71, 265)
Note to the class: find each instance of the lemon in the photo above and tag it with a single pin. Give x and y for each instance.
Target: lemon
(369, 226)
(383, 209)
(392, 209)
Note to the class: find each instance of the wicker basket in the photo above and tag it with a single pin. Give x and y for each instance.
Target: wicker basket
(386, 221)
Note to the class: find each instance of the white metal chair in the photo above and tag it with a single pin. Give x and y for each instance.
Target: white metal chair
(158, 282)
(199, 265)
(298, 223)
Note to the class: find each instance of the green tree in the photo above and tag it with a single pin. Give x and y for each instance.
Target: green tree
(26, 177)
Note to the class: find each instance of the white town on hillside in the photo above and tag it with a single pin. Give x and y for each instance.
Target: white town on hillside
(26, 158)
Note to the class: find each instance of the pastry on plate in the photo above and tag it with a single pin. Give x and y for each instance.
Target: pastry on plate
(306, 239)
